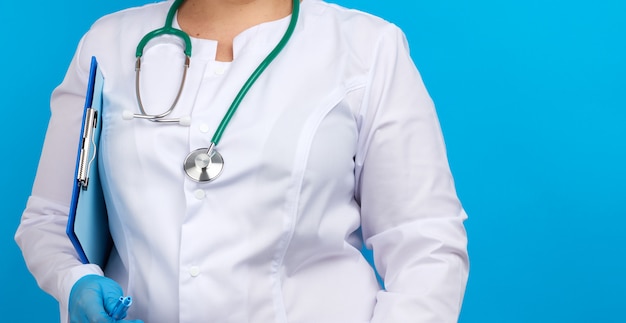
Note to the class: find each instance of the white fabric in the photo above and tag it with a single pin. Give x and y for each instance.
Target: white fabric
(337, 144)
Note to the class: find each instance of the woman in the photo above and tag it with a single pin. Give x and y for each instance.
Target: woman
(336, 145)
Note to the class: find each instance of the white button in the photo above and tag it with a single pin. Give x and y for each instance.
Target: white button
(199, 194)
(194, 271)
(219, 70)
(204, 128)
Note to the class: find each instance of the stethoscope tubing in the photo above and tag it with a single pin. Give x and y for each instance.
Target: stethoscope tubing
(217, 136)
(203, 164)
(169, 29)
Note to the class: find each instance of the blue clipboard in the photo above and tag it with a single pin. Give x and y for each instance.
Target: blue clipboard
(87, 225)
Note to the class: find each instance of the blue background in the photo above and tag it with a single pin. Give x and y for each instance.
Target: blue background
(532, 100)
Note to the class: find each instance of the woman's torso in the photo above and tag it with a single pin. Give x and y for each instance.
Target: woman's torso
(275, 237)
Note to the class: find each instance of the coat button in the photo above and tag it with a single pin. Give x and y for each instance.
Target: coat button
(204, 128)
(199, 194)
(194, 271)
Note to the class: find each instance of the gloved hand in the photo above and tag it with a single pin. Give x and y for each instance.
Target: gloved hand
(92, 298)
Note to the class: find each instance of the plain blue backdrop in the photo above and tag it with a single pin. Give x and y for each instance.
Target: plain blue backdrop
(532, 100)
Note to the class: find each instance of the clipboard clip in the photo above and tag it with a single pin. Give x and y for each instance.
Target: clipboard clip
(88, 147)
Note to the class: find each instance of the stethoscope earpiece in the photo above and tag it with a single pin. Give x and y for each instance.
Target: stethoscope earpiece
(185, 121)
(127, 115)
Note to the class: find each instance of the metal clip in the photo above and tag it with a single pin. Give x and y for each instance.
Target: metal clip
(88, 147)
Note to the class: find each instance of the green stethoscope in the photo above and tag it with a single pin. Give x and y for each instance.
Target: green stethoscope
(203, 164)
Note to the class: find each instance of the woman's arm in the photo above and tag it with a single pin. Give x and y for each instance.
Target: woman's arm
(47, 250)
(411, 216)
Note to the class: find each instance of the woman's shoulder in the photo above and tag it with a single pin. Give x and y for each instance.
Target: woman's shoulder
(354, 32)
(348, 19)
(128, 25)
(134, 17)
(113, 38)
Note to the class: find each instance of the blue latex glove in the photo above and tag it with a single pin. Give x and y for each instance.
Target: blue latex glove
(92, 298)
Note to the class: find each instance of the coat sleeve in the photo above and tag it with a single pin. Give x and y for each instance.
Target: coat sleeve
(47, 251)
(411, 216)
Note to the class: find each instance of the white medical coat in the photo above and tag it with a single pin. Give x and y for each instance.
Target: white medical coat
(336, 144)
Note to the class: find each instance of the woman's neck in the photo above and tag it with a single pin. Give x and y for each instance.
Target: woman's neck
(222, 20)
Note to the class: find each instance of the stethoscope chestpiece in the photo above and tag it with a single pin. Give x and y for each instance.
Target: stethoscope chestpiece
(204, 164)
